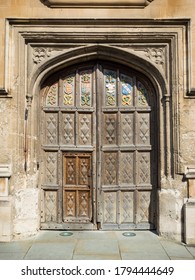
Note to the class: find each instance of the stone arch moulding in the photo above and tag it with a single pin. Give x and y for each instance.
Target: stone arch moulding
(84, 54)
(97, 3)
(150, 46)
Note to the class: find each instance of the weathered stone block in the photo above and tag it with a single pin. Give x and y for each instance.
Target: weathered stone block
(26, 220)
(189, 222)
(6, 220)
(170, 221)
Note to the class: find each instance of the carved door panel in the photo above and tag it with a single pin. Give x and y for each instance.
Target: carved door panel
(77, 188)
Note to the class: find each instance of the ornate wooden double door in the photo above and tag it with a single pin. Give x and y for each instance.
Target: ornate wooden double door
(98, 149)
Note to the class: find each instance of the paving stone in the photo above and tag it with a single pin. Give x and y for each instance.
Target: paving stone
(181, 258)
(140, 235)
(149, 247)
(96, 235)
(100, 247)
(175, 250)
(97, 257)
(191, 250)
(142, 256)
(54, 236)
(12, 256)
(14, 247)
(51, 251)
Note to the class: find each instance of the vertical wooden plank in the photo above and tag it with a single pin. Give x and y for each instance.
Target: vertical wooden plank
(60, 189)
(99, 179)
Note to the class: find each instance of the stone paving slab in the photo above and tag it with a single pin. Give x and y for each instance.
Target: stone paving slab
(95, 235)
(130, 246)
(12, 256)
(139, 236)
(176, 251)
(54, 237)
(94, 247)
(141, 256)
(97, 257)
(15, 247)
(191, 250)
(51, 251)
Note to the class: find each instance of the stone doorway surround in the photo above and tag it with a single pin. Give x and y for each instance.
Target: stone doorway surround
(35, 48)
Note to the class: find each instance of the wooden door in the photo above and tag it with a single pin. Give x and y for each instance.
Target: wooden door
(77, 188)
(99, 149)
(68, 136)
(127, 151)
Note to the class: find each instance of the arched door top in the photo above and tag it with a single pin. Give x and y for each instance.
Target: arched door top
(87, 54)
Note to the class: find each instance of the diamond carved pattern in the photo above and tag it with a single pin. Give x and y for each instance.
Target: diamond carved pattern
(85, 129)
(68, 127)
(84, 170)
(70, 171)
(84, 204)
(110, 168)
(110, 129)
(143, 209)
(110, 207)
(126, 168)
(50, 206)
(126, 129)
(70, 202)
(144, 168)
(127, 207)
(144, 134)
(51, 168)
(51, 133)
